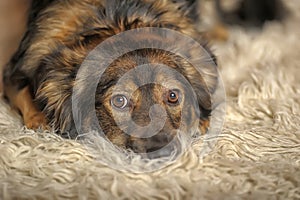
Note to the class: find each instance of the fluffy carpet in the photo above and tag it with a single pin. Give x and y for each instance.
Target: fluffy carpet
(257, 155)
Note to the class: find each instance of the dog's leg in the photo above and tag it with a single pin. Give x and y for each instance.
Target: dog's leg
(204, 125)
(22, 100)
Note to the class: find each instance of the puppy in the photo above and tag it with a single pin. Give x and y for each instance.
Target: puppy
(40, 77)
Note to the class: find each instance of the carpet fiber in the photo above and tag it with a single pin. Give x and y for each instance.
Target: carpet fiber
(257, 155)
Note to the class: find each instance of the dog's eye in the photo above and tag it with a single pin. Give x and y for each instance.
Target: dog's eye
(173, 97)
(119, 101)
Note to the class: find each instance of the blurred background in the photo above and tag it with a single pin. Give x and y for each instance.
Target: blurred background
(13, 16)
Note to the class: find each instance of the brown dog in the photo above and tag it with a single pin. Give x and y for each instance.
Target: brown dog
(40, 77)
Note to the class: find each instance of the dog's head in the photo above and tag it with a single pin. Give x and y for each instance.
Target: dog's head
(146, 97)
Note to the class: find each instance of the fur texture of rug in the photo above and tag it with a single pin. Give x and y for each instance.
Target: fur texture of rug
(257, 155)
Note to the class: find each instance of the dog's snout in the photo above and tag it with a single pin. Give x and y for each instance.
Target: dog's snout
(160, 145)
(141, 118)
(159, 151)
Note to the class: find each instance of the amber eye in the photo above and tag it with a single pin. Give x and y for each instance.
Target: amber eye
(173, 97)
(119, 101)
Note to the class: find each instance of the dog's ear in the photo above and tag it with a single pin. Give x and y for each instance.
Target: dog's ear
(204, 80)
(204, 83)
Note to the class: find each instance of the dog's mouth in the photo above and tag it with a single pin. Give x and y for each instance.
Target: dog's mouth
(161, 145)
(160, 152)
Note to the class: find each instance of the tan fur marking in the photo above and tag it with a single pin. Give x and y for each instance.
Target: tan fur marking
(22, 100)
(204, 125)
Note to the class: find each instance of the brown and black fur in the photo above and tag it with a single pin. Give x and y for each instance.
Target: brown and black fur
(60, 35)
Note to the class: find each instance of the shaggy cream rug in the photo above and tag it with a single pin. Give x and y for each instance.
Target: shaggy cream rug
(257, 155)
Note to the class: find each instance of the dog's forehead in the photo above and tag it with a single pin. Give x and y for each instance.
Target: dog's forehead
(148, 75)
(145, 67)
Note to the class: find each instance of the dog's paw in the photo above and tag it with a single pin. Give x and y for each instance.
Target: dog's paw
(36, 121)
(204, 126)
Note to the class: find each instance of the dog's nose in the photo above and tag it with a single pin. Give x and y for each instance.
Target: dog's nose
(140, 126)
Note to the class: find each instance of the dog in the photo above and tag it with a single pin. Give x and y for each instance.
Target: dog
(40, 77)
